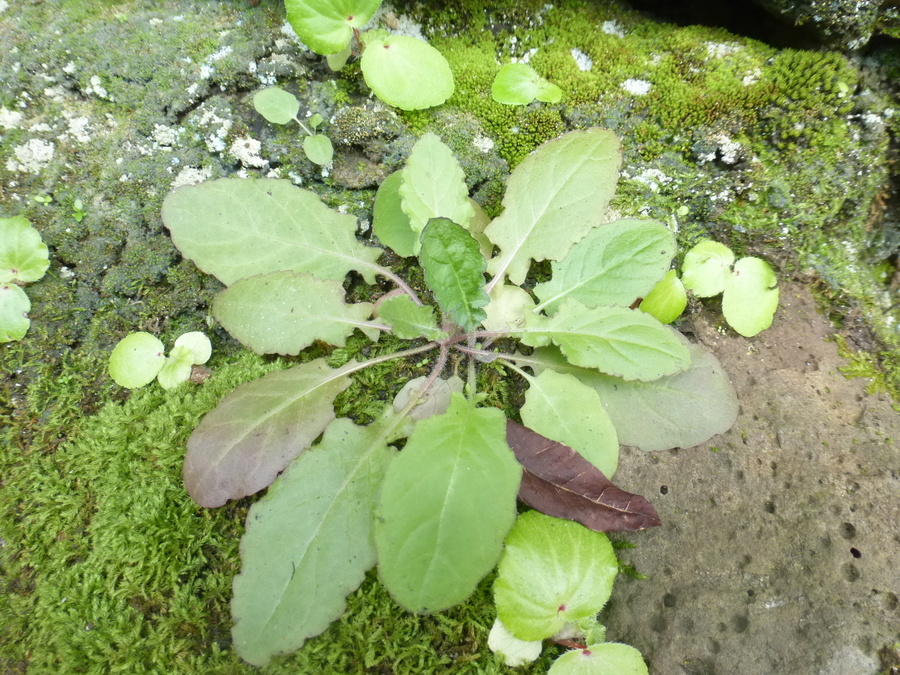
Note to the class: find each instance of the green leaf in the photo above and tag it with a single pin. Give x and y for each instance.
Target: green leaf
(174, 371)
(751, 296)
(434, 185)
(565, 410)
(406, 72)
(675, 411)
(234, 228)
(555, 197)
(667, 300)
(434, 401)
(196, 345)
(276, 105)
(390, 224)
(14, 307)
(520, 84)
(446, 504)
(615, 264)
(515, 652)
(614, 340)
(454, 271)
(24, 257)
(318, 149)
(705, 268)
(308, 542)
(507, 308)
(607, 658)
(253, 434)
(409, 320)
(326, 26)
(284, 312)
(552, 571)
(136, 360)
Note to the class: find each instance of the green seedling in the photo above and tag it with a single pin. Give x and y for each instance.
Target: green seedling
(139, 358)
(520, 84)
(78, 212)
(402, 71)
(280, 107)
(434, 516)
(749, 287)
(24, 258)
(44, 200)
(553, 578)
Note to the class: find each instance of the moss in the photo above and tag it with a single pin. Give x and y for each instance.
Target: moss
(881, 368)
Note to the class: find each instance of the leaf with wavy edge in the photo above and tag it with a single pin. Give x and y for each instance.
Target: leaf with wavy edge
(553, 198)
(614, 265)
(446, 504)
(235, 228)
(309, 541)
(675, 411)
(614, 340)
(284, 312)
(253, 434)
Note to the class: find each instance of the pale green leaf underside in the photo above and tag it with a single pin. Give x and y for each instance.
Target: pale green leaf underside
(175, 371)
(515, 652)
(615, 340)
(454, 271)
(507, 308)
(284, 312)
(615, 264)
(409, 320)
(607, 658)
(308, 542)
(447, 502)
(326, 26)
(520, 84)
(705, 268)
(253, 434)
(433, 186)
(751, 296)
(276, 105)
(24, 257)
(234, 228)
(553, 199)
(14, 307)
(136, 360)
(406, 72)
(390, 224)
(552, 571)
(676, 411)
(563, 409)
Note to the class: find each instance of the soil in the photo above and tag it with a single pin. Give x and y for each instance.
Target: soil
(778, 543)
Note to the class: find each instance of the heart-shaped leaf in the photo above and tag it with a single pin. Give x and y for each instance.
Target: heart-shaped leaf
(326, 26)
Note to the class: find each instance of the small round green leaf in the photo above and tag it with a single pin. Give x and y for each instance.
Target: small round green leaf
(136, 360)
(667, 300)
(23, 255)
(276, 105)
(174, 371)
(751, 296)
(326, 26)
(553, 571)
(406, 72)
(196, 344)
(318, 149)
(520, 84)
(608, 658)
(515, 652)
(705, 268)
(14, 306)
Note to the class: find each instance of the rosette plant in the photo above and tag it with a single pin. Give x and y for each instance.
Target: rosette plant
(433, 516)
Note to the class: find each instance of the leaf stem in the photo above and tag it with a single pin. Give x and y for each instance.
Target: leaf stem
(398, 281)
(472, 384)
(354, 366)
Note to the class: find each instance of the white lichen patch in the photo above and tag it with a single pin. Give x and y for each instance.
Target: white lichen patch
(613, 28)
(652, 178)
(582, 60)
(10, 119)
(191, 175)
(165, 137)
(719, 50)
(97, 89)
(751, 77)
(636, 87)
(246, 150)
(32, 156)
(3, 5)
(483, 143)
(78, 129)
